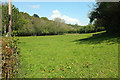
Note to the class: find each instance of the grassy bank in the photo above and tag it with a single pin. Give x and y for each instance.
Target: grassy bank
(69, 56)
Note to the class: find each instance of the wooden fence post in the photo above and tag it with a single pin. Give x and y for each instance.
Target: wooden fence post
(10, 18)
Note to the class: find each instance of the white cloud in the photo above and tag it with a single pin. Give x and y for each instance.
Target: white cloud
(69, 20)
(35, 6)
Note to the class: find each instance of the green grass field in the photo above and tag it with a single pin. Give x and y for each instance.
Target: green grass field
(69, 56)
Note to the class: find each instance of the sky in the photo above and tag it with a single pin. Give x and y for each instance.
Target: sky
(71, 12)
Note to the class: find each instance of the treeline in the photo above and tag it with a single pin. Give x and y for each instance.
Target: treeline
(106, 14)
(85, 29)
(42, 26)
(25, 25)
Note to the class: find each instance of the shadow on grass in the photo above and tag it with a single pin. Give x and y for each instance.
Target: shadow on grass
(99, 38)
(21, 42)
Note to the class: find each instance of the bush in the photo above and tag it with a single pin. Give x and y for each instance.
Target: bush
(10, 57)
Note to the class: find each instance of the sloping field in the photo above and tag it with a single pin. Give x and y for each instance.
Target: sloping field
(69, 56)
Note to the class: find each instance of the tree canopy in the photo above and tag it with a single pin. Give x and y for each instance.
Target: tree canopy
(25, 25)
(106, 14)
(35, 15)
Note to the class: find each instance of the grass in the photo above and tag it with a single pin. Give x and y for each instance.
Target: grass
(69, 56)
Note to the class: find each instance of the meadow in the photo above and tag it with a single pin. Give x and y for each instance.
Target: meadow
(69, 56)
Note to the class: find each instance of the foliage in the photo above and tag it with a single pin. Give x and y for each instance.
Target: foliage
(35, 15)
(5, 17)
(45, 18)
(10, 57)
(25, 25)
(85, 29)
(107, 15)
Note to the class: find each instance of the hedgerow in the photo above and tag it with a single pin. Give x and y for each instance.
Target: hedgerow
(10, 57)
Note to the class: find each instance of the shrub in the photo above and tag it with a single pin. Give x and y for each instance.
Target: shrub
(10, 57)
